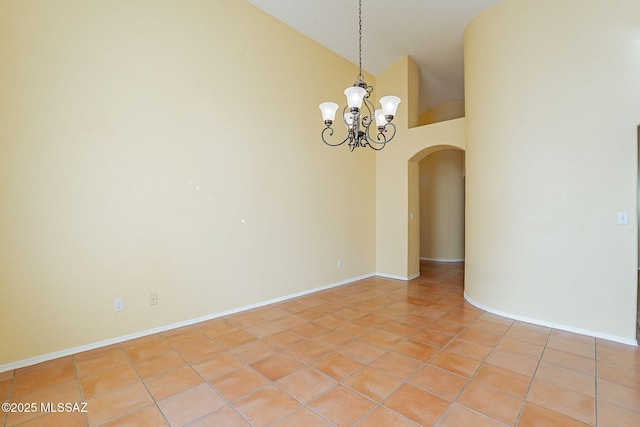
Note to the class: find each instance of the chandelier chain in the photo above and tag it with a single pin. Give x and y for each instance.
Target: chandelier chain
(360, 76)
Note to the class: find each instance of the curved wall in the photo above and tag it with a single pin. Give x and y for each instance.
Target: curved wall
(552, 110)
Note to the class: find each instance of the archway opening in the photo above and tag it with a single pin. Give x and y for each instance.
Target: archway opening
(436, 206)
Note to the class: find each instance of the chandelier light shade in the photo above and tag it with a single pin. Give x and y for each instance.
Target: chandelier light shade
(328, 111)
(355, 95)
(389, 105)
(359, 113)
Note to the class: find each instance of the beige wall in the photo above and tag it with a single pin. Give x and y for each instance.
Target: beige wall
(397, 173)
(552, 111)
(149, 146)
(442, 206)
(445, 111)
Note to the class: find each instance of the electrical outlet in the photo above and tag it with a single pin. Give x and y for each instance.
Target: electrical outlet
(153, 299)
(339, 263)
(623, 218)
(118, 305)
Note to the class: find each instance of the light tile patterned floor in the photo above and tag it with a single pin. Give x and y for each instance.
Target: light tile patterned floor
(376, 352)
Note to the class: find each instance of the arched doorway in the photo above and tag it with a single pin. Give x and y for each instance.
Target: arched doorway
(441, 185)
(436, 205)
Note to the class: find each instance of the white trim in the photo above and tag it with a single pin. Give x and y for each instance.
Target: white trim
(551, 324)
(396, 277)
(104, 343)
(442, 260)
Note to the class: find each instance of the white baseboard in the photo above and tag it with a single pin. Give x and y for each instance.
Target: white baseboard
(116, 340)
(442, 260)
(551, 324)
(396, 277)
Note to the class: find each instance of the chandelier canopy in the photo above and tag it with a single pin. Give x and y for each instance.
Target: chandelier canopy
(359, 113)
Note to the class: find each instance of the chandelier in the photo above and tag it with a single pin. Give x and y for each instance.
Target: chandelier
(359, 113)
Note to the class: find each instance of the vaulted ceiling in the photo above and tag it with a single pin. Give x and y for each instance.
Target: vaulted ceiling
(429, 31)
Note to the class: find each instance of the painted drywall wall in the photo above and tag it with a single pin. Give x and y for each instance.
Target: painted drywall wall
(552, 111)
(397, 177)
(169, 147)
(445, 111)
(442, 206)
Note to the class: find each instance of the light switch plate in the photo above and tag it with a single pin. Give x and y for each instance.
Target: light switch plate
(623, 218)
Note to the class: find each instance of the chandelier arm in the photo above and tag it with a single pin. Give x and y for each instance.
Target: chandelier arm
(366, 135)
(374, 147)
(380, 139)
(381, 134)
(345, 110)
(368, 141)
(369, 90)
(368, 119)
(330, 134)
(352, 129)
(385, 130)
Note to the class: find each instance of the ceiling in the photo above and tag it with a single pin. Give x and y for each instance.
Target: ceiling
(429, 31)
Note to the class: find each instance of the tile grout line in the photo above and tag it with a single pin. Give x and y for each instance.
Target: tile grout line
(10, 396)
(524, 399)
(133, 366)
(228, 402)
(402, 382)
(387, 350)
(342, 383)
(470, 379)
(272, 382)
(75, 370)
(228, 351)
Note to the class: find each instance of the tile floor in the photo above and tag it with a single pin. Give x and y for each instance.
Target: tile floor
(376, 352)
